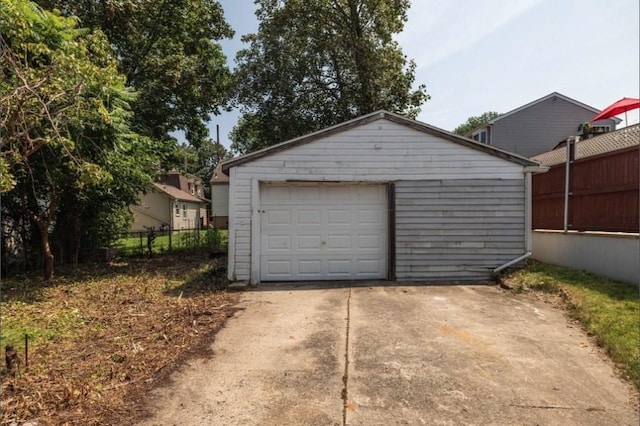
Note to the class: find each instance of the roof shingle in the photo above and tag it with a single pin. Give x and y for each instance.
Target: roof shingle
(607, 142)
(176, 193)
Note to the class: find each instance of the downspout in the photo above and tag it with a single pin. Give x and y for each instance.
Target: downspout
(567, 179)
(527, 224)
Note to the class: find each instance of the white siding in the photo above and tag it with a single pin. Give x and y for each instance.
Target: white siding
(379, 151)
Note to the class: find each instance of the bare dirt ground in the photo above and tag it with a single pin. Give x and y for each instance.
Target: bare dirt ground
(105, 335)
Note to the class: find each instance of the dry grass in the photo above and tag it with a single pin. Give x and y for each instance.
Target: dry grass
(100, 337)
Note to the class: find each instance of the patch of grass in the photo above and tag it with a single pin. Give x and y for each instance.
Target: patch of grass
(609, 310)
(23, 320)
(214, 239)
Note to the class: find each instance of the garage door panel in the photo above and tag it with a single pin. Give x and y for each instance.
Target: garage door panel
(279, 267)
(278, 192)
(306, 194)
(278, 242)
(278, 217)
(335, 232)
(340, 242)
(310, 268)
(369, 216)
(364, 196)
(338, 194)
(369, 267)
(309, 242)
(339, 217)
(310, 217)
(339, 267)
(370, 242)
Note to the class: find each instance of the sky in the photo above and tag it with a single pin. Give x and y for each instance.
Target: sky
(497, 55)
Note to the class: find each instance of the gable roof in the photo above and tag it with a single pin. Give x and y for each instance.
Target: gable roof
(601, 144)
(176, 193)
(545, 98)
(368, 118)
(218, 177)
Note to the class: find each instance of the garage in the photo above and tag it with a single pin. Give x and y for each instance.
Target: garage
(378, 197)
(315, 231)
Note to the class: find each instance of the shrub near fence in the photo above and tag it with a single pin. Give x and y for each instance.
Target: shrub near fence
(139, 243)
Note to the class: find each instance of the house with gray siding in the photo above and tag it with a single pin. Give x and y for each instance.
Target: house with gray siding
(379, 197)
(540, 125)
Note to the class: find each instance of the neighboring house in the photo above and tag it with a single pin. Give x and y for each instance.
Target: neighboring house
(190, 184)
(603, 184)
(540, 125)
(378, 197)
(220, 198)
(165, 206)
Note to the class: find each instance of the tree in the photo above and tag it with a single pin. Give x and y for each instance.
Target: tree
(64, 121)
(315, 63)
(201, 159)
(473, 123)
(168, 52)
(207, 156)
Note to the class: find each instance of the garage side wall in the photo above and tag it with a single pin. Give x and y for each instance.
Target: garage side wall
(457, 228)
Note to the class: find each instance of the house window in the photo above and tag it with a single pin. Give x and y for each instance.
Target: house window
(480, 136)
(191, 188)
(184, 211)
(177, 204)
(600, 129)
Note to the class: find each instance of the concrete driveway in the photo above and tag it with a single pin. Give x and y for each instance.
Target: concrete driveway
(387, 355)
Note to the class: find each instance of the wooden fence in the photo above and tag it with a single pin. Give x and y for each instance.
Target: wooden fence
(603, 194)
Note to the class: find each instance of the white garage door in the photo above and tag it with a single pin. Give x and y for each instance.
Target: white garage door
(323, 232)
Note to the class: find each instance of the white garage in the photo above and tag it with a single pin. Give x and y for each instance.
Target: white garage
(319, 231)
(378, 197)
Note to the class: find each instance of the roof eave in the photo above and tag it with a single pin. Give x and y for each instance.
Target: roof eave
(542, 99)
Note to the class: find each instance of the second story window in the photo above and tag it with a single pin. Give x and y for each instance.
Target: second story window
(184, 211)
(480, 136)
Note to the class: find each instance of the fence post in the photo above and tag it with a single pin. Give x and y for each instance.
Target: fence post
(170, 231)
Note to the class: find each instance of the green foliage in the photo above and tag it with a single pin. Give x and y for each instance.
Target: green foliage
(202, 158)
(473, 123)
(51, 82)
(609, 310)
(315, 63)
(65, 121)
(168, 52)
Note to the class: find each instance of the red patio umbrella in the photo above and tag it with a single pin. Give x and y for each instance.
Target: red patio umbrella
(617, 108)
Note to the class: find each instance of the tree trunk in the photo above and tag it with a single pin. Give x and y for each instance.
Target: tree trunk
(47, 255)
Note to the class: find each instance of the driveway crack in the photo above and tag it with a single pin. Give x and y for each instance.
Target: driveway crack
(345, 376)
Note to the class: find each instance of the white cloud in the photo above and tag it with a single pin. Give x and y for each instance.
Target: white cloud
(437, 29)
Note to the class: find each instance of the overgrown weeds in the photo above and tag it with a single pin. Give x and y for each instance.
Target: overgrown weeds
(609, 310)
